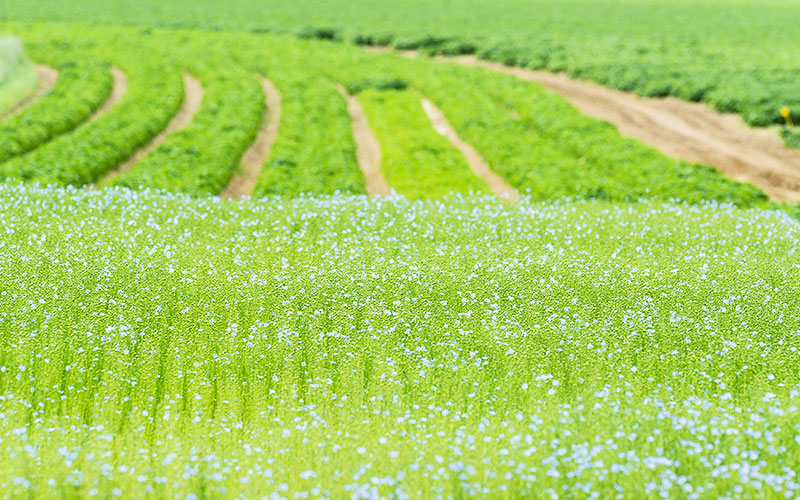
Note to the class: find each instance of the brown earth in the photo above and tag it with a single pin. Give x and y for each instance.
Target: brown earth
(474, 160)
(118, 91)
(192, 97)
(47, 79)
(244, 181)
(368, 151)
(688, 131)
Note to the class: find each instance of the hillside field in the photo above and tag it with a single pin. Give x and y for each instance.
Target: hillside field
(286, 250)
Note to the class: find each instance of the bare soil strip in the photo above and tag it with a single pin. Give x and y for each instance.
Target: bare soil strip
(117, 92)
(688, 131)
(244, 181)
(47, 79)
(192, 97)
(476, 163)
(368, 151)
(685, 130)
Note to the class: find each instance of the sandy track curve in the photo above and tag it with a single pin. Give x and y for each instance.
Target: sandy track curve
(688, 131)
(476, 163)
(368, 150)
(244, 181)
(192, 97)
(685, 130)
(47, 80)
(118, 90)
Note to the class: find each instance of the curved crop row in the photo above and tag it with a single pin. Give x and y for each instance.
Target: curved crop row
(416, 160)
(82, 156)
(314, 151)
(82, 86)
(539, 143)
(532, 138)
(202, 158)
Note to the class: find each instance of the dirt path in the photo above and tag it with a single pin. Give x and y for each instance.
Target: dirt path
(47, 79)
(368, 151)
(117, 92)
(244, 181)
(689, 131)
(474, 160)
(192, 97)
(685, 130)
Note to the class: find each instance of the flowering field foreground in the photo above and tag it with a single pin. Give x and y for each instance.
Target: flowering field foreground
(157, 346)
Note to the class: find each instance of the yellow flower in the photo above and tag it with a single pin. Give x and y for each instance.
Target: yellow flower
(787, 116)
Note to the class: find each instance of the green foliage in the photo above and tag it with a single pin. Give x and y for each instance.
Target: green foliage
(82, 86)
(416, 161)
(738, 56)
(318, 33)
(385, 83)
(314, 151)
(173, 347)
(792, 136)
(201, 159)
(541, 145)
(532, 138)
(86, 154)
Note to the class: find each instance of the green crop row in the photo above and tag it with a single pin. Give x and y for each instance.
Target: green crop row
(314, 151)
(738, 56)
(154, 93)
(531, 137)
(416, 161)
(542, 145)
(201, 159)
(86, 154)
(82, 86)
(602, 163)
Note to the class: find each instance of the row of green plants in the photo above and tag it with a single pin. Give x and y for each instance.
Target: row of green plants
(82, 86)
(416, 161)
(534, 139)
(541, 144)
(556, 151)
(202, 158)
(314, 151)
(84, 155)
(741, 57)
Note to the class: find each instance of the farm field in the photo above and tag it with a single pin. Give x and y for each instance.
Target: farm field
(275, 250)
(513, 124)
(336, 347)
(738, 55)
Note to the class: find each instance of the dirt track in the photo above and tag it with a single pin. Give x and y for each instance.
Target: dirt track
(117, 92)
(476, 163)
(192, 97)
(47, 79)
(368, 151)
(685, 130)
(689, 131)
(244, 181)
